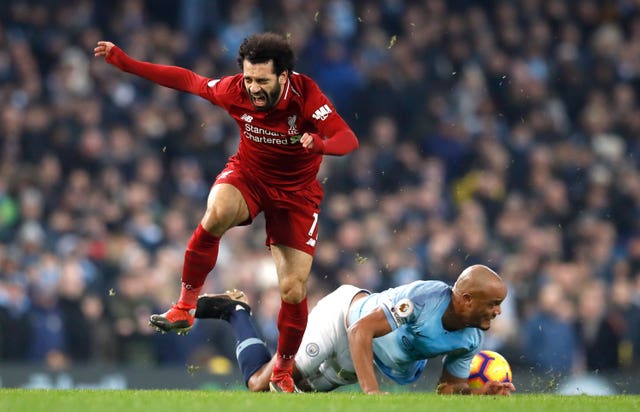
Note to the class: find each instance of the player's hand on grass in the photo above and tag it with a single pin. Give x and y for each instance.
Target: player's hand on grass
(498, 388)
(103, 48)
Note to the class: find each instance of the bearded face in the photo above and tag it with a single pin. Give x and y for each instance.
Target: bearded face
(263, 85)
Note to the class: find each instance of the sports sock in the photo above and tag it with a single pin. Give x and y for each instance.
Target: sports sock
(292, 322)
(199, 259)
(251, 351)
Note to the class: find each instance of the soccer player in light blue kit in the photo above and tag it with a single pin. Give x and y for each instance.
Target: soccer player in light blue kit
(397, 330)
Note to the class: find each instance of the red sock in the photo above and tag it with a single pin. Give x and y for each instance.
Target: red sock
(292, 321)
(199, 259)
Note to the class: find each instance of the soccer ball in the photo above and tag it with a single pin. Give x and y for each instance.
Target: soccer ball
(487, 366)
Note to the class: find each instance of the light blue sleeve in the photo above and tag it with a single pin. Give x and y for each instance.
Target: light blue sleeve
(459, 365)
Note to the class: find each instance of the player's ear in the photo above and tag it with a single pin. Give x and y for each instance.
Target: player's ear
(282, 78)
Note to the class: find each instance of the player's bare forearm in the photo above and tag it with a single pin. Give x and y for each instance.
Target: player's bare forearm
(361, 347)
(361, 336)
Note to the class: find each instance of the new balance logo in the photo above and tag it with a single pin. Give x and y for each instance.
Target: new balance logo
(247, 118)
(311, 242)
(322, 112)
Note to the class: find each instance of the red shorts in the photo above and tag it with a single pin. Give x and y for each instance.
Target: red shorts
(291, 216)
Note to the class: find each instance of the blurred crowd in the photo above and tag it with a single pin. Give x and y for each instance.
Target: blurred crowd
(505, 133)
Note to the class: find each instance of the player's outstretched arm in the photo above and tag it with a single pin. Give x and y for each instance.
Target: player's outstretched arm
(361, 336)
(169, 76)
(343, 141)
(452, 385)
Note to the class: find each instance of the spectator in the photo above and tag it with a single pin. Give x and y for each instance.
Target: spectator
(549, 341)
(596, 330)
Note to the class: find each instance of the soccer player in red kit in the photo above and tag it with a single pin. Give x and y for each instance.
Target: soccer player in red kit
(286, 125)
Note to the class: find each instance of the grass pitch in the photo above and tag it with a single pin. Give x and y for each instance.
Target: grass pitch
(34, 400)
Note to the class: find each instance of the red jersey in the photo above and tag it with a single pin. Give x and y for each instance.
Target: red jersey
(270, 145)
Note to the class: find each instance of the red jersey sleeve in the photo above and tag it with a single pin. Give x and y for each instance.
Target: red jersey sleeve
(174, 77)
(334, 137)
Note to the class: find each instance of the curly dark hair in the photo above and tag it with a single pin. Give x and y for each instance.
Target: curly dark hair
(262, 47)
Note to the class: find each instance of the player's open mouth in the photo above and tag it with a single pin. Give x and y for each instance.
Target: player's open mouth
(259, 100)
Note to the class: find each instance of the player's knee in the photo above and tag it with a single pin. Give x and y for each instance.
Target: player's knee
(293, 293)
(217, 221)
(257, 385)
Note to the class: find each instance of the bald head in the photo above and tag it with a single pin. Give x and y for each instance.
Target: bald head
(476, 279)
(476, 298)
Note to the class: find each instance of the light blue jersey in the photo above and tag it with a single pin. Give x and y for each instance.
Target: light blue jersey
(414, 312)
